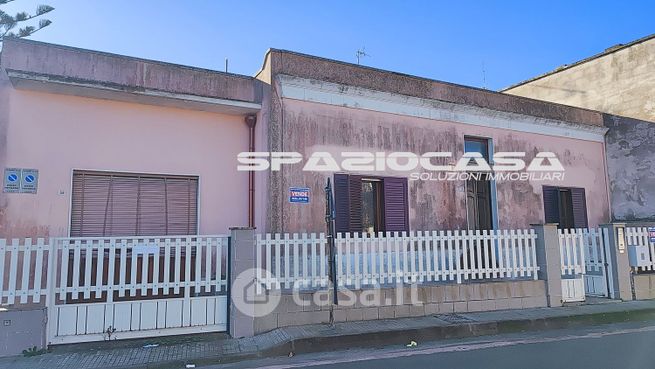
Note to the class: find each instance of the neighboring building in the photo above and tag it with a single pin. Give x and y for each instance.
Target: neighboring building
(619, 81)
(126, 146)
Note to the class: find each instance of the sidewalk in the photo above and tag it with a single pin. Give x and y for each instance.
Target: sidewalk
(175, 352)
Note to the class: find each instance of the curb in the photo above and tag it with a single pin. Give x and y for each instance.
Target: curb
(432, 333)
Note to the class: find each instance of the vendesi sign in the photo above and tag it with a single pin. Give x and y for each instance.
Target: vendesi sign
(299, 195)
(17, 180)
(651, 234)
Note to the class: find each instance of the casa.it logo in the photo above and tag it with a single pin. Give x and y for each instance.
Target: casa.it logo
(249, 294)
(502, 166)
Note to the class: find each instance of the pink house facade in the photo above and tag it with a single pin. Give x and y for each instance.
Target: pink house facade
(119, 141)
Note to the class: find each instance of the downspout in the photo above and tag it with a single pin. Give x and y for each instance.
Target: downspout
(251, 121)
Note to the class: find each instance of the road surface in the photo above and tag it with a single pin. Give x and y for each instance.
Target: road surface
(614, 346)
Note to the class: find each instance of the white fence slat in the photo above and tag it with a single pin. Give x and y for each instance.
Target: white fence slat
(88, 260)
(25, 278)
(75, 287)
(323, 252)
(111, 265)
(122, 272)
(305, 246)
(38, 271)
(13, 270)
(177, 266)
(533, 252)
(167, 266)
(3, 251)
(287, 257)
(133, 267)
(100, 265)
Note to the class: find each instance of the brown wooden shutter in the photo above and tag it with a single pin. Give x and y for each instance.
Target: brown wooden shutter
(579, 207)
(118, 204)
(355, 191)
(551, 204)
(396, 209)
(341, 203)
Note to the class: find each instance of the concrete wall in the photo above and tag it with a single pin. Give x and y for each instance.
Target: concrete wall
(435, 299)
(630, 146)
(132, 74)
(57, 133)
(644, 286)
(21, 330)
(311, 127)
(620, 82)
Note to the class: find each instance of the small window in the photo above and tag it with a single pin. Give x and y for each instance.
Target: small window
(370, 204)
(566, 206)
(124, 204)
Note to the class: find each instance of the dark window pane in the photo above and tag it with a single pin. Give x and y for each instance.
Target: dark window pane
(370, 206)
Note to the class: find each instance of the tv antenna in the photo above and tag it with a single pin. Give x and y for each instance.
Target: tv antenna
(360, 54)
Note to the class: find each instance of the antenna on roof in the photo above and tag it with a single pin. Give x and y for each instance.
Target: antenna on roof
(225, 65)
(360, 54)
(484, 77)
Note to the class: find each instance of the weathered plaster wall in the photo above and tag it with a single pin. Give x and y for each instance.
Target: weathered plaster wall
(282, 129)
(630, 146)
(5, 88)
(56, 134)
(310, 127)
(620, 83)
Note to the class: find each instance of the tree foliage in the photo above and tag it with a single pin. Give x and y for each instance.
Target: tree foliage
(14, 25)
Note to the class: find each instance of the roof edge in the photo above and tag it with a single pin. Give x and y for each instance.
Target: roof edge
(608, 51)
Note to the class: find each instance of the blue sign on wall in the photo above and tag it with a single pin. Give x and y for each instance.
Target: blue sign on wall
(651, 234)
(299, 195)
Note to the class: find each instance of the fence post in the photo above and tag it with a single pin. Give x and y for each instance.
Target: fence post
(242, 274)
(618, 263)
(549, 261)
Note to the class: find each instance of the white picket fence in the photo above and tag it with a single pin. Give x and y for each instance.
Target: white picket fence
(301, 260)
(639, 237)
(137, 286)
(580, 250)
(583, 262)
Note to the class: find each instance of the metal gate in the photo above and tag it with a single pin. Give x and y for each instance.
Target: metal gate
(585, 270)
(119, 288)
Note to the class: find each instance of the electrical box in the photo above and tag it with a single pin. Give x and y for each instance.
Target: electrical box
(638, 255)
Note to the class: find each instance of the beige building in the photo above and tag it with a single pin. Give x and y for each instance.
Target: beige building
(619, 81)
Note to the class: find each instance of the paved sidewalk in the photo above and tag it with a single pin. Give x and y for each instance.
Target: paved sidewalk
(218, 348)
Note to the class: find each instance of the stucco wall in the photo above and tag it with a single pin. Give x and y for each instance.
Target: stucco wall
(630, 147)
(620, 83)
(311, 127)
(56, 134)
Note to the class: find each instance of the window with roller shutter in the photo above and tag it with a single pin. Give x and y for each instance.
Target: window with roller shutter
(125, 204)
(365, 203)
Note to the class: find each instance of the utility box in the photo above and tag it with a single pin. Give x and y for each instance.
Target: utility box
(639, 256)
(22, 329)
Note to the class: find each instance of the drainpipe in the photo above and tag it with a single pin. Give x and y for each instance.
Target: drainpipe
(251, 121)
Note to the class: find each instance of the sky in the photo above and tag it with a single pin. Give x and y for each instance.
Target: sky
(488, 44)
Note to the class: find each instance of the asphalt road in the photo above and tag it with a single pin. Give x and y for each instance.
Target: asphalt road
(615, 346)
